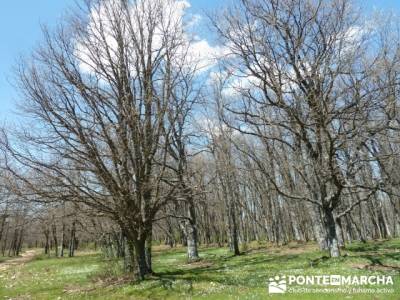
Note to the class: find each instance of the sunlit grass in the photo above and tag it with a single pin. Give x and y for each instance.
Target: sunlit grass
(219, 275)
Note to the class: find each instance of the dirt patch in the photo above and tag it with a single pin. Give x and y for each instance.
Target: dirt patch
(198, 264)
(290, 249)
(71, 289)
(100, 283)
(21, 260)
(374, 267)
(297, 249)
(162, 248)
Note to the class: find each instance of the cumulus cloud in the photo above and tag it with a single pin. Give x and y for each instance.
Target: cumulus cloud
(173, 20)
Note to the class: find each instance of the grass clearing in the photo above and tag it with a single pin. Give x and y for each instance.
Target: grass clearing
(218, 275)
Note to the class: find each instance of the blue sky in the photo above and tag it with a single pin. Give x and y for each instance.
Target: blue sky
(20, 31)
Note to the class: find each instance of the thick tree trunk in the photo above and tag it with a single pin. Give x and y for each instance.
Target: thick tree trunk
(190, 229)
(330, 227)
(129, 256)
(192, 239)
(140, 257)
(192, 251)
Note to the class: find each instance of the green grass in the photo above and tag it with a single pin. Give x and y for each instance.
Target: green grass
(218, 275)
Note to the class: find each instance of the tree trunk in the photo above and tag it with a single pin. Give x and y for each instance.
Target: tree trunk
(3, 250)
(148, 252)
(339, 232)
(62, 240)
(140, 258)
(19, 244)
(46, 245)
(330, 227)
(190, 228)
(3, 221)
(129, 256)
(233, 231)
(72, 241)
(298, 236)
(192, 251)
(54, 232)
(319, 230)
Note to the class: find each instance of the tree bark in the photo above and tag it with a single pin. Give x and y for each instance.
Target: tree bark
(62, 240)
(46, 245)
(148, 252)
(190, 229)
(140, 257)
(233, 231)
(54, 232)
(129, 256)
(319, 230)
(330, 227)
(72, 241)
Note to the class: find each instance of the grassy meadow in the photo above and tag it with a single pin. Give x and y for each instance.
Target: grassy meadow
(218, 275)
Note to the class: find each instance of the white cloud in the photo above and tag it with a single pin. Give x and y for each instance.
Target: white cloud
(206, 55)
(170, 23)
(194, 20)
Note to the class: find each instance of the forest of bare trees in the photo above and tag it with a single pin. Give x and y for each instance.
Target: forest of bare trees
(289, 132)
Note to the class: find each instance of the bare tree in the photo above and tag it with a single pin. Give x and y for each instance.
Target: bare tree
(100, 89)
(302, 79)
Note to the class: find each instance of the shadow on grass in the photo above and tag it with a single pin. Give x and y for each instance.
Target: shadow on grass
(376, 261)
(233, 270)
(377, 253)
(376, 245)
(251, 269)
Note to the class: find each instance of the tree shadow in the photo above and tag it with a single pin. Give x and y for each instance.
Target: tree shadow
(375, 245)
(222, 270)
(376, 253)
